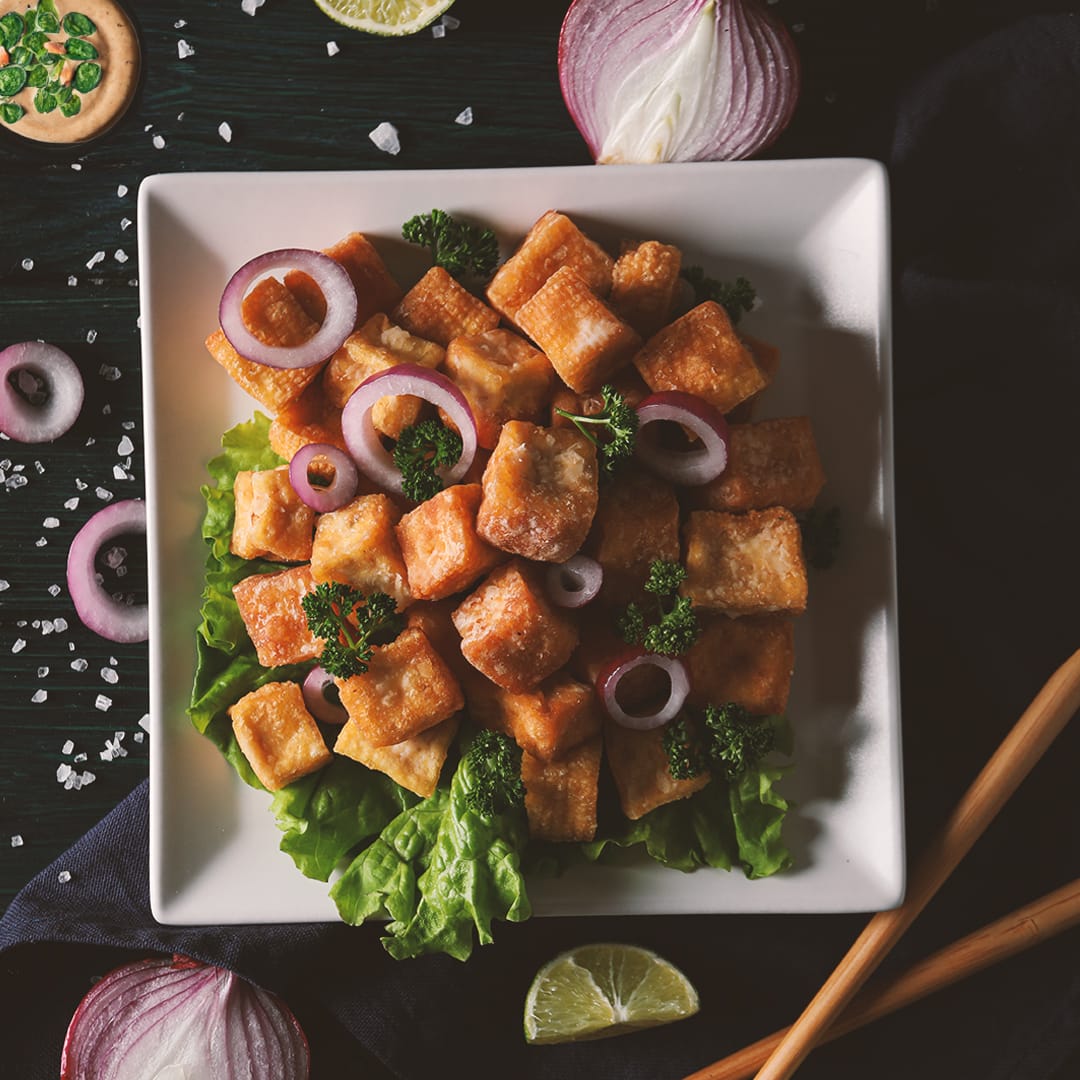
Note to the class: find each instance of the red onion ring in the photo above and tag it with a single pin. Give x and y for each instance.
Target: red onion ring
(95, 607)
(337, 289)
(685, 467)
(150, 1017)
(572, 584)
(318, 704)
(364, 442)
(323, 497)
(25, 421)
(607, 685)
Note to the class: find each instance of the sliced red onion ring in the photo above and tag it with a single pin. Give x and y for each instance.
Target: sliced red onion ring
(38, 366)
(95, 607)
(685, 467)
(318, 681)
(177, 1017)
(363, 440)
(607, 686)
(572, 584)
(337, 289)
(323, 497)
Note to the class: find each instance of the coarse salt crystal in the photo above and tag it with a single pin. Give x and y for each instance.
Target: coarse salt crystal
(465, 116)
(72, 280)
(19, 645)
(125, 223)
(41, 542)
(67, 747)
(125, 446)
(144, 721)
(109, 675)
(16, 841)
(102, 703)
(4, 585)
(120, 255)
(103, 494)
(438, 31)
(51, 523)
(121, 191)
(80, 485)
(79, 757)
(63, 771)
(87, 777)
(64, 877)
(385, 137)
(28, 264)
(72, 503)
(98, 256)
(180, 24)
(76, 166)
(159, 142)
(91, 337)
(450, 22)
(110, 374)
(60, 625)
(249, 7)
(54, 590)
(46, 626)
(79, 664)
(39, 467)
(119, 473)
(139, 736)
(90, 441)
(225, 130)
(332, 48)
(42, 672)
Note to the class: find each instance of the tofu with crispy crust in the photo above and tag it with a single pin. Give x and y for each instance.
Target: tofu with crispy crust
(561, 796)
(270, 605)
(415, 763)
(271, 520)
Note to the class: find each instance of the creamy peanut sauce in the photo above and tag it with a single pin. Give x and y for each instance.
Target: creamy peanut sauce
(119, 56)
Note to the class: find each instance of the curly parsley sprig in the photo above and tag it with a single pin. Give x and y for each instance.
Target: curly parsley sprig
(734, 297)
(494, 760)
(350, 624)
(727, 740)
(421, 450)
(673, 628)
(612, 430)
(458, 247)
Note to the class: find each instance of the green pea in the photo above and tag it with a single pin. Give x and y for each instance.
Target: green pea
(10, 113)
(70, 106)
(87, 77)
(78, 49)
(78, 25)
(12, 80)
(45, 102)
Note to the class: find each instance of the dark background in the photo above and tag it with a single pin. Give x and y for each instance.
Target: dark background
(973, 108)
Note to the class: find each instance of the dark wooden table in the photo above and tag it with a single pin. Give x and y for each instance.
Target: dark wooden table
(64, 692)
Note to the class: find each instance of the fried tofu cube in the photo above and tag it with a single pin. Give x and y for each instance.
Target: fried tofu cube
(546, 721)
(700, 353)
(639, 767)
(309, 418)
(626, 381)
(502, 376)
(270, 605)
(540, 492)
(583, 338)
(749, 660)
(770, 463)
(767, 357)
(745, 564)
(415, 764)
(380, 344)
(510, 632)
(636, 521)
(277, 735)
(271, 521)
(561, 796)
(435, 618)
(443, 553)
(406, 689)
(644, 282)
(357, 545)
(440, 309)
(552, 242)
(376, 289)
(274, 316)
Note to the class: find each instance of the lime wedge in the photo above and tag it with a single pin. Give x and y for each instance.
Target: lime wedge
(386, 17)
(596, 991)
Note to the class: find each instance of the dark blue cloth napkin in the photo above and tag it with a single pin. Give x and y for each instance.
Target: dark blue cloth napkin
(983, 152)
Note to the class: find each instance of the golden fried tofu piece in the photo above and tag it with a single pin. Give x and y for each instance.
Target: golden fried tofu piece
(583, 338)
(636, 521)
(439, 308)
(414, 763)
(552, 242)
(271, 521)
(510, 632)
(749, 660)
(380, 344)
(270, 605)
(625, 381)
(770, 463)
(560, 796)
(639, 767)
(357, 545)
(435, 618)
(540, 492)
(406, 689)
(644, 280)
(767, 357)
(309, 418)
(443, 553)
(745, 564)
(274, 316)
(502, 376)
(700, 353)
(546, 721)
(376, 290)
(277, 735)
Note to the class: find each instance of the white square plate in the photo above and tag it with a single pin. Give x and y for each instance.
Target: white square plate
(812, 236)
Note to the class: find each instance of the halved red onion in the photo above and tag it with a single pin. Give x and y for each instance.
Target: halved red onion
(684, 467)
(168, 1017)
(328, 710)
(337, 289)
(364, 442)
(319, 496)
(572, 584)
(677, 80)
(40, 370)
(607, 686)
(94, 606)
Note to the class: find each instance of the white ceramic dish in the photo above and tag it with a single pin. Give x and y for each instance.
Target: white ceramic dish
(813, 238)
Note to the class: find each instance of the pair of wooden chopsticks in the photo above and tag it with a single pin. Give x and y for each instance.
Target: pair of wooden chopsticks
(778, 1056)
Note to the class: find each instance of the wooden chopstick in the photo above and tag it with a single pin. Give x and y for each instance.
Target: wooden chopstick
(1035, 922)
(1040, 724)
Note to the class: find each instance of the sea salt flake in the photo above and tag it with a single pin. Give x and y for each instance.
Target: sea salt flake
(79, 757)
(102, 703)
(72, 503)
(159, 142)
(51, 523)
(28, 264)
(119, 473)
(87, 777)
(63, 771)
(79, 664)
(121, 191)
(90, 441)
(41, 542)
(4, 585)
(438, 31)
(106, 754)
(72, 281)
(225, 130)
(60, 625)
(180, 24)
(39, 467)
(47, 626)
(39, 696)
(16, 481)
(464, 117)
(120, 255)
(67, 747)
(109, 676)
(144, 721)
(385, 137)
(103, 494)
(332, 48)
(18, 645)
(98, 256)
(76, 166)
(139, 736)
(114, 557)
(249, 7)
(125, 223)
(109, 373)
(16, 841)
(64, 877)
(42, 672)
(91, 337)
(54, 590)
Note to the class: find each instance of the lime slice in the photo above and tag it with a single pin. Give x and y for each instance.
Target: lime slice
(387, 17)
(595, 991)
